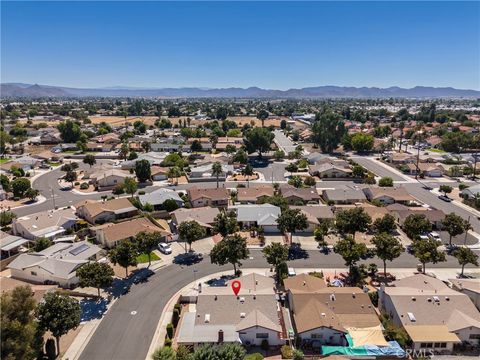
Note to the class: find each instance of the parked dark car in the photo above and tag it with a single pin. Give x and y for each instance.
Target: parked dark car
(445, 198)
(188, 258)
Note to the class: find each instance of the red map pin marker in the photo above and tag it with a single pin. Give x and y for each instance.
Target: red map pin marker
(236, 285)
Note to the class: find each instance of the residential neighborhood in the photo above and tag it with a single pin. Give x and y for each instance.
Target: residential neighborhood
(240, 180)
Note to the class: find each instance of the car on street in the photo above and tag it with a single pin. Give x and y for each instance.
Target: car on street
(434, 235)
(165, 248)
(188, 258)
(444, 198)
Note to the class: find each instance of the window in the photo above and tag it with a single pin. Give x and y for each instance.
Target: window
(443, 345)
(262, 335)
(34, 273)
(429, 345)
(423, 345)
(437, 345)
(474, 336)
(316, 336)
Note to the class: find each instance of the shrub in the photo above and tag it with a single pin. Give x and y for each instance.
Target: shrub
(175, 317)
(316, 274)
(373, 298)
(178, 307)
(148, 207)
(264, 345)
(77, 183)
(297, 355)
(84, 186)
(462, 187)
(170, 330)
(168, 342)
(309, 181)
(50, 349)
(141, 192)
(254, 356)
(286, 351)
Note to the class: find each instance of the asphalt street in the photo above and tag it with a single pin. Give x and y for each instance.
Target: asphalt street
(376, 168)
(124, 336)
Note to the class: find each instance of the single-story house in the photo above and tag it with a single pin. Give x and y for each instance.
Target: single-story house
(158, 197)
(344, 196)
(99, 212)
(428, 169)
(435, 316)
(469, 287)
(252, 317)
(56, 264)
(108, 179)
(296, 196)
(254, 195)
(388, 195)
(204, 173)
(329, 170)
(216, 197)
(264, 215)
(159, 173)
(154, 158)
(315, 214)
(471, 192)
(10, 244)
(205, 216)
(110, 234)
(49, 224)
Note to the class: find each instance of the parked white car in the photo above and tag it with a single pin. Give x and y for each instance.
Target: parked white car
(165, 248)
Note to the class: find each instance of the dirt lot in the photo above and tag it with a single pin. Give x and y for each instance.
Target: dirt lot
(150, 120)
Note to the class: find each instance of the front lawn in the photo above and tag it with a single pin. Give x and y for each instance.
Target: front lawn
(438, 151)
(143, 258)
(4, 160)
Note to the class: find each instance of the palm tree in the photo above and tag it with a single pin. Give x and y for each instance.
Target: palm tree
(174, 173)
(217, 170)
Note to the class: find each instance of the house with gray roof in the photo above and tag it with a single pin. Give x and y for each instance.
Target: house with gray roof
(264, 215)
(219, 316)
(158, 197)
(344, 196)
(56, 264)
(153, 157)
(471, 192)
(49, 224)
(10, 244)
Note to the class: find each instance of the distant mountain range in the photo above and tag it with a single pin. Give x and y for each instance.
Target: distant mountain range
(12, 90)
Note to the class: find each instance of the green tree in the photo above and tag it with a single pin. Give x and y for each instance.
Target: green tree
(359, 171)
(118, 190)
(174, 173)
(291, 168)
(454, 225)
(146, 242)
(223, 352)
(465, 256)
(96, 274)
(6, 217)
(164, 353)
(124, 254)
(262, 115)
(20, 186)
(32, 194)
(385, 181)
(196, 146)
(426, 251)
(362, 142)
(232, 249)
(123, 152)
(5, 182)
(275, 254)
(225, 223)
(143, 170)
(21, 338)
(42, 244)
(296, 181)
(352, 220)
(258, 140)
(385, 224)
(90, 160)
(291, 220)
(279, 155)
(327, 131)
(130, 186)
(191, 231)
(170, 205)
(217, 170)
(387, 248)
(58, 314)
(70, 131)
(415, 225)
(446, 189)
(70, 176)
(350, 251)
(240, 157)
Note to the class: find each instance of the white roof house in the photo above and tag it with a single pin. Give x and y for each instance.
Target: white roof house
(57, 264)
(264, 215)
(158, 197)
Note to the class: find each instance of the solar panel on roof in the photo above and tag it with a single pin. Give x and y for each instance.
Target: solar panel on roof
(79, 249)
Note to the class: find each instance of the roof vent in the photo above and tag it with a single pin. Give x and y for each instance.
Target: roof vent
(242, 315)
(324, 315)
(353, 295)
(216, 297)
(207, 318)
(242, 300)
(332, 297)
(414, 298)
(429, 300)
(254, 296)
(447, 298)
(411, 317)
(436, 299)
(304, 283)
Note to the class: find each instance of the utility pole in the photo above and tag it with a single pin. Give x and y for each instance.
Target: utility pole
(53, 197)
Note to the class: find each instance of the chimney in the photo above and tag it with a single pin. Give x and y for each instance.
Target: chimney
(220, 336)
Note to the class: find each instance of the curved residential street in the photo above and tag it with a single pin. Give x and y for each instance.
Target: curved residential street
(123, 336)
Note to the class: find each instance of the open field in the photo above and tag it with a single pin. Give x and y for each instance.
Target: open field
(150, 120)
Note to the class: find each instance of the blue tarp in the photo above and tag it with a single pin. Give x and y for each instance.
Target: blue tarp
(393, 349)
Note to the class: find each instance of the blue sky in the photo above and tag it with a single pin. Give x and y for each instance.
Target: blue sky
(221, 44)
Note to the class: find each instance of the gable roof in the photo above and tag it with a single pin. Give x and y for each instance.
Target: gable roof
(306, 194)
(264, 214)
(126, 229)
(212, 194)
(205, 216)
(304, 283)
(396, 193)
(253, 193)
(159, 196)
(116, 206)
